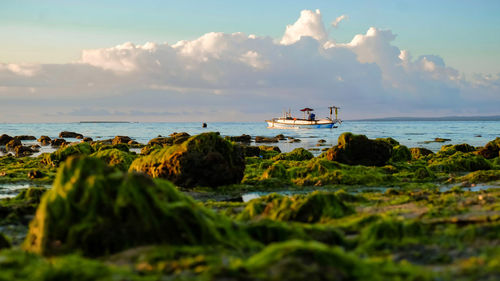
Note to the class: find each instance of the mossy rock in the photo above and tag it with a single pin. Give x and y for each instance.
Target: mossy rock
(400, 153)
(4, 242)
(31, 195)
(419, 152)
(99, 146)
(423, 173)
(203, 160)
(115, 157)
(459, 162)
(302, 208)
(298, 154)
(359, 150)
(95, 209)
(481, 176)
(276, 170)
(491, 149)
(389, 234)
(63, 153)
(390, 141)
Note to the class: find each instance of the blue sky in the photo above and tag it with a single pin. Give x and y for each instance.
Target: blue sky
(465, 33)
(68, 60)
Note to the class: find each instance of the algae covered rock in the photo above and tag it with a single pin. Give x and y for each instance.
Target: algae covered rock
(66, 134)
(491, 149)
(4, 139)
(419, 152)
(62, 154)
(44, 140)
(96, 209)
(203, 160)
(298, 154)
(4, 243)
(302, 208)
(115, 157)
(359, 150)
(400, 153)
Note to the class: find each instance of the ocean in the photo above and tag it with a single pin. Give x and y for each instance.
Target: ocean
(409, 133)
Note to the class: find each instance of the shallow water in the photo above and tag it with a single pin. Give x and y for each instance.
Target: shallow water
(409, 133)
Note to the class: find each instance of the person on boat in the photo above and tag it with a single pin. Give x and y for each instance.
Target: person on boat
(311, 117)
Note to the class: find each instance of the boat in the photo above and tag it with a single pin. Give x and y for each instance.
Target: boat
(309, 120)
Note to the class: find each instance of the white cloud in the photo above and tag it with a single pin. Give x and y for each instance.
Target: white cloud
(309, 24)
(339, 19)
(252, 76)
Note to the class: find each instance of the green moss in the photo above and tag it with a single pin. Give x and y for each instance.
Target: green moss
(14, 170)
(303, 208)
(99, 146)
(95, 209)
(458, 162)
(115, 157)
(63, 153)
(4, 242)
(423, 174)
(390, 141)
(31, 195)
(400, 153)
(480, 176)
(359, 150)
(298, 154)
(420, 152)
(203, 160)
(268, 152)
(389, 234)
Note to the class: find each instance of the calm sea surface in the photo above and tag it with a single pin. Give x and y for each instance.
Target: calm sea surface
(409, 133)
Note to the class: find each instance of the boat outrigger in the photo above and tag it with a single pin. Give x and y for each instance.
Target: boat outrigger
(289, 122)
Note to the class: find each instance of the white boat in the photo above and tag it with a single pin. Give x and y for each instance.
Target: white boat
(309, 121)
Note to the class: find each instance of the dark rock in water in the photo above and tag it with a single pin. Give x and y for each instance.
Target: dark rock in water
(44, 140)
(35, 174)
(491, 149)
(390, 141)
(280, 137)
(12, 144)
(58, 142)
(175, 138)
(298, 154)
(441, 140)
(35, 146)
(251, 151)
(95, 210)
(22, 151)
(71, 135)
(4, 139)
(243, 138)
(121, 139)
(478, 136)
(203, 160)
(359, 150)
(87, 139)
(204, 125)
(24, 137)
(321, 141)
(418, 152)
(4, 243)
(294, 140)
(259, 139)
(464, 148)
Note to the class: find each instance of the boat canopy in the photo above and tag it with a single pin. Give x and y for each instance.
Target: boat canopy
(307, 109)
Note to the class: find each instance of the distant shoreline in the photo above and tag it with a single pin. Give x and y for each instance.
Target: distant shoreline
(104, 122)
(445, 118)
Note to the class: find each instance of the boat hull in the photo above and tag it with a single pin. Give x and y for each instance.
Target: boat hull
(291, 124)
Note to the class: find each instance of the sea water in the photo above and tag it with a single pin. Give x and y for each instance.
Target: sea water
(409, 133)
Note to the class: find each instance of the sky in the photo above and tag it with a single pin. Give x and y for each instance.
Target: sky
(234, 61)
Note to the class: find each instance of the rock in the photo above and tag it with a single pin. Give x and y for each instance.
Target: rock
(121, 139)
(87, 139)
(203, 160)
(298, 154)
(441, 140)
(359, 150)
(4, 243)
(22, 151)
(175, 138)
(12, 144)
(4, 139)
(58, 142)
(25, 137)
(321, 141)
(418, 152)
(490, 150)
(53, 159)
(294, 140)
(95, 210)
(243, 138)
(44, 140)
(259, 139)
(71, 135)
(251, 151)
(115, 158)
(35, 174)
(280, 137)
(400, 153)
(390, 141)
